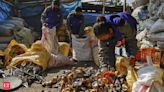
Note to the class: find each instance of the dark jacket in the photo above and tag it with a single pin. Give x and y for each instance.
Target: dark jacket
(114, 18)
(52, 17)
(75, 23)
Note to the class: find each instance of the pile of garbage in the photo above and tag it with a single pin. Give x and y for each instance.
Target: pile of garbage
(153, 29)
(28, 73)
(88, 80)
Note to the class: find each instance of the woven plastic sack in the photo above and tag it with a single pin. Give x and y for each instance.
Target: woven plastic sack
(160, 12)
(81, 49)
(93, 43)
(141, 35)
(6, 30)
(153, 7)
(156, 36)
(49, 40)
(148, 23)
(137, 3)
(160, 45)
(24, 36)
(158, 26)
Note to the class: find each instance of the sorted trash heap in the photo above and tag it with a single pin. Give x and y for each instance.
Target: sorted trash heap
(88, 80)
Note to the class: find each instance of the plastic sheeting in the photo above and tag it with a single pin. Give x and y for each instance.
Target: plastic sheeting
(90, 18)
(69, 7)
(5, 10)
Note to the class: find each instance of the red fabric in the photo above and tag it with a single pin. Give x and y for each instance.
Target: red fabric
(108, 76)
(120, 42)
(143, 88)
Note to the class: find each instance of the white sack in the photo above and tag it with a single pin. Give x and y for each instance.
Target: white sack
(156, 36)
(81, 49)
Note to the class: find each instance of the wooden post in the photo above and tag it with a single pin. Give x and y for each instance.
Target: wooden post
(103, 9)
(124, 7)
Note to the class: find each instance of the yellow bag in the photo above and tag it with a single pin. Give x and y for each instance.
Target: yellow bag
(36, 54)
(14, 49)
(122, 63)
(131, 78)
(64, 48)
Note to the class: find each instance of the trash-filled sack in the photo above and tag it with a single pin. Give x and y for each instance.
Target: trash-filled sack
(6, 29)
(156, 36)
(81, 48)
(148, 23)
(141, 35)
(14, 49)
(160, 44)
(59, 60)
(18, 22)
(153, 7)
(160, 12)
(137, 3)
(64, 48)
(140, 13)
(37, 54)
(145, 43)
(24, 35)
(49, 40)
(147, 76)
(157, 27)
(93, 41)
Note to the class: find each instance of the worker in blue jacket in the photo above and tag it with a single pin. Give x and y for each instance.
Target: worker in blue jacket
(75, 22)
(114, 28)
(52, 15)
(52, 19)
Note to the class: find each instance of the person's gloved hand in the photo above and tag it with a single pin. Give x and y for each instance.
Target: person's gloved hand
(120, 42)
(132, 60)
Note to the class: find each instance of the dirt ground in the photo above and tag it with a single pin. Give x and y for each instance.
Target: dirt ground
(50, 74)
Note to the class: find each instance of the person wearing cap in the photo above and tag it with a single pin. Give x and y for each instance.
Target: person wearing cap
(51, 19)
(75, 22)
(111, 31)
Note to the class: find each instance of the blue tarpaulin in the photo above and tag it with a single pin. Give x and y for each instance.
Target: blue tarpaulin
(69, 7)
(29, 10)
(90, 18)
(32, 13)
(5, 10)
